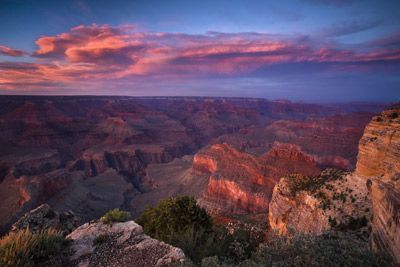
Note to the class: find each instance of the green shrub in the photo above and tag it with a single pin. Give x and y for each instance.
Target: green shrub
(174, 216)
(24, 248)
(180, 222)
(115, 215)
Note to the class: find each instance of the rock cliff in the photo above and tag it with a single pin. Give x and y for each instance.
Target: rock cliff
(373, 187)
(240, 183)
(236, 181)
(334, 200)
(379, 163)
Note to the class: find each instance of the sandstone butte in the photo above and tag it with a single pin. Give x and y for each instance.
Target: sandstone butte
(342, 199)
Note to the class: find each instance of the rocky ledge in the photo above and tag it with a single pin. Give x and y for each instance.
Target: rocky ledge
(43, 217)
(334, 200)
(120, 244)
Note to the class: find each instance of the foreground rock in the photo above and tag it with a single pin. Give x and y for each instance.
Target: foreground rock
(379, 163)
(120, 244)
(43, 217)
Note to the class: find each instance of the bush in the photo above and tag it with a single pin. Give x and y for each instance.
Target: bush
(23, 248)
(115, 215)
(325, 250)
(174, 216)
(180, 222)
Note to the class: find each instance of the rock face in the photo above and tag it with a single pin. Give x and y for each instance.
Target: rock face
(379, 163)
(284, 158)
(379, 149)
(43, 217)
(331, 140)
(236, 181)
(120, 244)
(333, 200)
(240, 183)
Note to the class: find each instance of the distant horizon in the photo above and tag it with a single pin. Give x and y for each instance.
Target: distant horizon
(203, 96)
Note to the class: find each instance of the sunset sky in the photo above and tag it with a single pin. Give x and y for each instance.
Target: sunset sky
(308, 50)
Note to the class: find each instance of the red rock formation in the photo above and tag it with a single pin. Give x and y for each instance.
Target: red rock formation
(379, 163)
(236, 182)
(331, 140)
(241, 183)
(284, 159)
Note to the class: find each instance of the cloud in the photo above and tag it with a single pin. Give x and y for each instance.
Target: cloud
(8, 51)
(100, 53)
(346, 28)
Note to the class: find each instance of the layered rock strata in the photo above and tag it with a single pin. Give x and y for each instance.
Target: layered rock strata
(334, 200)
(379, 163)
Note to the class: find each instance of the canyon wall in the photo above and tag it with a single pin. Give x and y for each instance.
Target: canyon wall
(373, 187)
(379, 162)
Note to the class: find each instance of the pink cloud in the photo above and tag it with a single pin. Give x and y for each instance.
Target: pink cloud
(8, 51)
(104, 52)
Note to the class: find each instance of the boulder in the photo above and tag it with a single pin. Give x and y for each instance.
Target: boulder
(120, 244)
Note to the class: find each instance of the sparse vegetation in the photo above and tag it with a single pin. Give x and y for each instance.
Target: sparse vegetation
(100, 239)
(353, 224)
(325, 250)
(115, 215)
(25, 249)
(394, 115)
(298, 182)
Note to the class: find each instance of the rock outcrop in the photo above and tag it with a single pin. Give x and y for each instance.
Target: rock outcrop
(334, 200)
(379, 163)
(120, 244)
(43, 217)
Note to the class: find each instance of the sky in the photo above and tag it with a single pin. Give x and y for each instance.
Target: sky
(301, 50)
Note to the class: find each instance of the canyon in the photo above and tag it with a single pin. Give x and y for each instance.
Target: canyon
(91, 154)
(365, 202)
